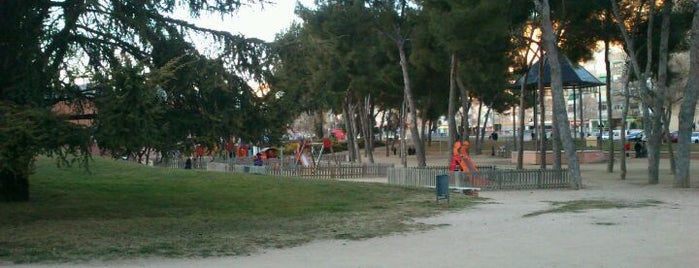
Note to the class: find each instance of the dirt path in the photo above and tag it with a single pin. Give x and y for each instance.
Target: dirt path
(496, 234)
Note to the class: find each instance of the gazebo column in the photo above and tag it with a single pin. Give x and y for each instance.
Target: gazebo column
(582, 114)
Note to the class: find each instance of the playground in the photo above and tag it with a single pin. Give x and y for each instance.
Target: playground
(497, 234)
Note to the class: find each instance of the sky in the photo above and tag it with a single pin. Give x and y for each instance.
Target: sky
(252, 21)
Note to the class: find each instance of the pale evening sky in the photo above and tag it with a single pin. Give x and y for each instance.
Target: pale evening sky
(252, 21)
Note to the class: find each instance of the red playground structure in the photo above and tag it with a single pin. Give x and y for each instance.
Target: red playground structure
(461, 161)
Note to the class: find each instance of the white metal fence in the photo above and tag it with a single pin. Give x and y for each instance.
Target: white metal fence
(487, 178)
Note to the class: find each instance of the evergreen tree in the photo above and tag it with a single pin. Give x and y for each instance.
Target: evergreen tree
(46, 47)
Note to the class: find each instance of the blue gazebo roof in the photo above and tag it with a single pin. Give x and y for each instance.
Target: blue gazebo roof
(573, 75)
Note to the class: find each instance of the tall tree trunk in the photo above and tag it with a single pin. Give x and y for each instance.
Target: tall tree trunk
(479, 127)
(430, 127)
(319, 122)
(661, 99)
(657, 100)
(355, 131)
(349, 136)
(556, 143)
(625, 112)
(610, 131)
(366, 120)
(485, 125)
(688, 106)
(514, 130)
(350, 122)
(522, 102)
(403, 115)
(651, 131)
(666, 129)
(535, 122)
(542, 109)
(424, 134)
(465, 108)
(520, 137)
(549, 41)
(451, 118)
(382, 130)
(417, 141)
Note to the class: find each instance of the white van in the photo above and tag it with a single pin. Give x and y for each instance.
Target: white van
(616, 133)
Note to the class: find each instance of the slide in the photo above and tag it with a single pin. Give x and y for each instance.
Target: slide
(302, 157)
(467, 166)
(304, 161)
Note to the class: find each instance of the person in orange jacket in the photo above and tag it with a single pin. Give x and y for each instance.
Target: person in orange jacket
(460, 149)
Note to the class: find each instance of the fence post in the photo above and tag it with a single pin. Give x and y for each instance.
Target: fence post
(501, 178)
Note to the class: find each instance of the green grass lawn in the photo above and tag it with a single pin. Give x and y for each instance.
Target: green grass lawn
(126, 210)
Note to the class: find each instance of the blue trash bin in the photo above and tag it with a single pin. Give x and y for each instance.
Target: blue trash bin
(246, 169)
(442, 187)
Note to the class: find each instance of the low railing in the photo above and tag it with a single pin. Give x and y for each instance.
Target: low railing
(421, 176)
(286, 167)
(328, 171)
(485, 178)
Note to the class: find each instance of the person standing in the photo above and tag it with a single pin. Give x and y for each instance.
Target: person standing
(494, 137)
(459, 150)
(199, 152)
(638, 147)
(188, 163)
(258, 160)
(229, 149)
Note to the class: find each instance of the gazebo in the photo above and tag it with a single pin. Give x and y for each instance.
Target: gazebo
(574, 76)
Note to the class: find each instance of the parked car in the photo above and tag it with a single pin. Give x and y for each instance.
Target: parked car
(635, 136)
(695, 137)
(674, 136)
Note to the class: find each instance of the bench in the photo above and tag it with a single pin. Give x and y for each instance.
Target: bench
(472, 191)
(503, 151)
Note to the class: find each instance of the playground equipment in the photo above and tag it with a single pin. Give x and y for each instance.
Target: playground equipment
(461, 161)
(309, 153)
(300, 156)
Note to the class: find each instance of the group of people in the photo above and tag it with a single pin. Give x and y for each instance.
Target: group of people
(242, 150)
(411, 150)
(638, 147)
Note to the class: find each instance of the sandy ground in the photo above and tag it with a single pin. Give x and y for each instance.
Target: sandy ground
(496, 234)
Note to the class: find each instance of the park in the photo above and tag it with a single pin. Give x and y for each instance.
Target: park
(326, 222)
(526, 133)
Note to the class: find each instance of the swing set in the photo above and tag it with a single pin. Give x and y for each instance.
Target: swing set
(309, 153)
